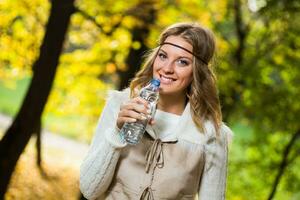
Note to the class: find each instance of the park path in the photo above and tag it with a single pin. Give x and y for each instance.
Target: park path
(73, 151)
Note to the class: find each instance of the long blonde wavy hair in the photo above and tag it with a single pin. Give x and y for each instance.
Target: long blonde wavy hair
(202, 92)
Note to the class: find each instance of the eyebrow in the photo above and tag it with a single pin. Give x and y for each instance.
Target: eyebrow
(179, 57)
(175, 45)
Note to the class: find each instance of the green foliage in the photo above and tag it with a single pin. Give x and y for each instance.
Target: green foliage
(254, 160)
(263, 88)
(260, 88)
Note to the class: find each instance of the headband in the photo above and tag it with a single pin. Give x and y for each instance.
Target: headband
(175, 45)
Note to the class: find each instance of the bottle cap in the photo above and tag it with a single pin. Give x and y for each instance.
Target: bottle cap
(155, 82)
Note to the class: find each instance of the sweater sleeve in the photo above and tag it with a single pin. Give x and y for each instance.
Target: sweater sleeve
(97, 169)
(213, 180)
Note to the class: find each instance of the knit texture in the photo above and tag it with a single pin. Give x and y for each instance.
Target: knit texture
(98, 168)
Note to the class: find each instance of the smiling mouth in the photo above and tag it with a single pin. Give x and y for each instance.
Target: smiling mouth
(166, 80)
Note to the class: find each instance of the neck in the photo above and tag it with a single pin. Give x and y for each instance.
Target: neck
(172, 103)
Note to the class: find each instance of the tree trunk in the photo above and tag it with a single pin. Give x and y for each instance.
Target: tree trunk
(134, 59)
(38, 145)
(29, 115)
(284, 163)
(146, 12)
(241, 30)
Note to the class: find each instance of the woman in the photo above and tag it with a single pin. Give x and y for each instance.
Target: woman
(183, 153)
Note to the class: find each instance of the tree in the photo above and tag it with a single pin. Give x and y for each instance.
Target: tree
(258, 85)
(145, 12)
(256, 67)
(28, 118)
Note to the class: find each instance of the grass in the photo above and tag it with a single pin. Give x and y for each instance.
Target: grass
(69, 126)
(11, 95)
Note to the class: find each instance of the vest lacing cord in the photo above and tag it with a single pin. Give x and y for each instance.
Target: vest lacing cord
(147, 194)
(155, 155)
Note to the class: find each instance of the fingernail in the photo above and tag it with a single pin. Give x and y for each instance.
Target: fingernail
(141, 107)
(143, 117)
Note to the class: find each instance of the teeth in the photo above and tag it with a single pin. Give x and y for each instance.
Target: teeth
(166, 80)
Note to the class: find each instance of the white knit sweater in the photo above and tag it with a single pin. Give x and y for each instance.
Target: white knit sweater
(98, 167)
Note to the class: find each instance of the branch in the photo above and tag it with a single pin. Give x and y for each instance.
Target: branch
(241, 31)
(294, 156)
(100, 26)
(284, 163)
(142, 11)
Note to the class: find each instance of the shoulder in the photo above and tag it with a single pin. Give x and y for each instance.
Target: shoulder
(188, 130)
(117, 97)
(224, 136)
(227, 132)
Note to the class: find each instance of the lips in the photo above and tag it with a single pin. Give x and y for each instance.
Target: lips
(166, 79)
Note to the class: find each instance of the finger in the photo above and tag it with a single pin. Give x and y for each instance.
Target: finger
(122, 120)
(139, 108)
(151, 121)
(137, 100)
(127, 119)
(140, 100)
(133, 114)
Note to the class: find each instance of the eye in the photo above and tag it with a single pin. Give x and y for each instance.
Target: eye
(182, 62)
(162, 56)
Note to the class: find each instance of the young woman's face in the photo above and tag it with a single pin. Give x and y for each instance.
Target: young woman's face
(173, 66)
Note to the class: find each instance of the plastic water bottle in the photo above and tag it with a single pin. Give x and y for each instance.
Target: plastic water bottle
(132, 132)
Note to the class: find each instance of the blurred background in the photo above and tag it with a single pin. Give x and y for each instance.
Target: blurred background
(59, 58)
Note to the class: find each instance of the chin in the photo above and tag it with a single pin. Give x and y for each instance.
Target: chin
(168, 91)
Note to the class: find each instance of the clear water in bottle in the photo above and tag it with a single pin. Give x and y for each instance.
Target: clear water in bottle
(132, 132)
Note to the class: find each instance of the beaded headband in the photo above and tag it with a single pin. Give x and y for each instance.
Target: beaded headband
(175, 45)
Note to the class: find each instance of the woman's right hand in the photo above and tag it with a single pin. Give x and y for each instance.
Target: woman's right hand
(135, 109)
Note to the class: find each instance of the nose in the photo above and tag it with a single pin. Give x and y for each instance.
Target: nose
(168, 67)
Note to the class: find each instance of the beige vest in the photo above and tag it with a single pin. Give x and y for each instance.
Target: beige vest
(157, 170)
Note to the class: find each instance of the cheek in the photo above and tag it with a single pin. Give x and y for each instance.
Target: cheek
(190, 77)
(188, 80)
(156, 66)
(187, 76)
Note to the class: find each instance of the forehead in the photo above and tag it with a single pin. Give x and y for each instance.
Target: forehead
(179, 41)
